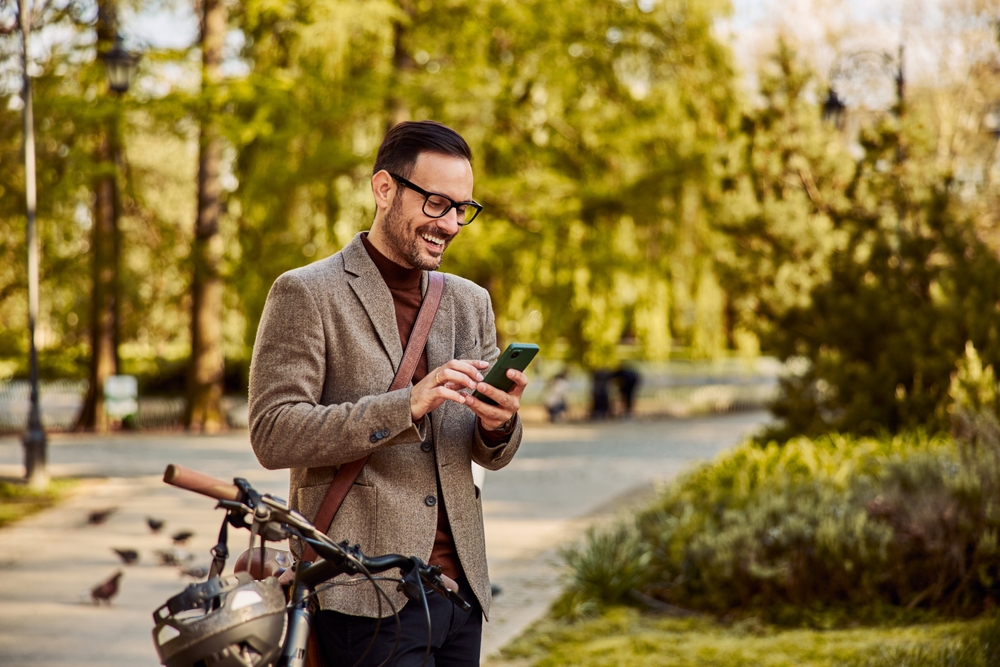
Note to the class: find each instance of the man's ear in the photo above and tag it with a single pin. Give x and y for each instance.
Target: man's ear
(383, 188)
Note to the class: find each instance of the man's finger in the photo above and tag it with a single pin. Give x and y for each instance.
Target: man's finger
(520, 381)
(446, 377)
(506, 404)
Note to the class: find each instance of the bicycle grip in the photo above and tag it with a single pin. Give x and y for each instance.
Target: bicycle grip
(199, 482)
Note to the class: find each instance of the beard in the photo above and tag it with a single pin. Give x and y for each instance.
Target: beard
(407, 245)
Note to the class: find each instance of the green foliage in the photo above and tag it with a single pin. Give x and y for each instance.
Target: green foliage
(614, 563)
(869, 271)
(18, 501)
(973, 388)
(621, 637)
(596, 129)
(972, 649)
(879, 528)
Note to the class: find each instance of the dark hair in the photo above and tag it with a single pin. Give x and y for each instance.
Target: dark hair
(407, 140)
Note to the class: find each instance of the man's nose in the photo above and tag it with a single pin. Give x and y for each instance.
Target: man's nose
(449, 222)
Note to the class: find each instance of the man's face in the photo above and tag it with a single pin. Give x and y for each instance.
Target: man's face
(414, 237)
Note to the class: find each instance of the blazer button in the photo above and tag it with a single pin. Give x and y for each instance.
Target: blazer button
(426, 446)
(373, 437)
(431, 501)
(385, 433)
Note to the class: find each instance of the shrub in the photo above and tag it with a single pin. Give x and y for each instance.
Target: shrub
(882, 527)
(614, 563)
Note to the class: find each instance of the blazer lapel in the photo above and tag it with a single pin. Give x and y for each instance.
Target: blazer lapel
(374, 295)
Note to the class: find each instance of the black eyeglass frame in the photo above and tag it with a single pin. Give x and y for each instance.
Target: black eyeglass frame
(453, 204)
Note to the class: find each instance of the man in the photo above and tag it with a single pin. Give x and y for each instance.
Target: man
(330, 339)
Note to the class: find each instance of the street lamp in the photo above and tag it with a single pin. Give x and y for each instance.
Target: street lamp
(867, 64)
(120, 64)
(120, 67)
(35, 442)
(833, 108)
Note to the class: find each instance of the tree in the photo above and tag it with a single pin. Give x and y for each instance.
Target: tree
(105, 334)
(867, 271)
(206, 369)
(598, 129)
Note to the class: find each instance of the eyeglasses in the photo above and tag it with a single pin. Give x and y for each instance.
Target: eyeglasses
(437, 206)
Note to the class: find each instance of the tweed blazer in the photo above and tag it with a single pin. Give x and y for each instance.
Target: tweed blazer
(326, 351)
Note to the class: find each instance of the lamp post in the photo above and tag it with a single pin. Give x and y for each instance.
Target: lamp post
(865, 64)
(120, 64)
(120, 68)
(35, 442)
(833, 108)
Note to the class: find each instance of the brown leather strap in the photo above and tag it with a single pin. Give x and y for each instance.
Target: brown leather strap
(348, 473)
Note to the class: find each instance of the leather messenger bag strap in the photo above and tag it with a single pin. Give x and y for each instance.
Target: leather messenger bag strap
(348, 472)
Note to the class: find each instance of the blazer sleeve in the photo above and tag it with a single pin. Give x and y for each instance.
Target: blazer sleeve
(497, 456)
(289, 427)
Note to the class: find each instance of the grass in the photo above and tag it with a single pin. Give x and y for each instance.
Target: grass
(18, 501)
(622, 637)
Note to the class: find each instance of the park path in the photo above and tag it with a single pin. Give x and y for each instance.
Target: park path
(564, 478)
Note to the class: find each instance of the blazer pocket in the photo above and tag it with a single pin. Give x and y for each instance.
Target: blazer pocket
(357, 519)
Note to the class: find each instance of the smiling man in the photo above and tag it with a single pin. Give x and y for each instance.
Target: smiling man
(329, 344)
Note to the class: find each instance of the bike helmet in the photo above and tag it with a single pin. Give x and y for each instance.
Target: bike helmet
(231, 621)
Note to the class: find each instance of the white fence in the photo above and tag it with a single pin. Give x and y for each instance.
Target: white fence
(61, 402)
(674, 388)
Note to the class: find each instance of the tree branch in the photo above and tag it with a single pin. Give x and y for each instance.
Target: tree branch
(36, 15)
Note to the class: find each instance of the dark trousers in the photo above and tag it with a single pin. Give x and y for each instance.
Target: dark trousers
(456, 635)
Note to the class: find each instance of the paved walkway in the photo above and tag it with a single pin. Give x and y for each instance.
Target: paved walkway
(564, 478)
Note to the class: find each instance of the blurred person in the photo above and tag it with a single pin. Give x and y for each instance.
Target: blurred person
(628, 381)
(555, 396)
(329, 342)
(600, 396)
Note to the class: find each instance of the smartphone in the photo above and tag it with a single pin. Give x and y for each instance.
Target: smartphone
(517, 355)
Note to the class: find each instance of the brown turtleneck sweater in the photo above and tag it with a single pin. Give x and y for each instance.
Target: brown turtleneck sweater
(404, 285)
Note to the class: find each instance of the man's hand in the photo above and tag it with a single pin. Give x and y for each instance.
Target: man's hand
(444, 383)
(493, 417)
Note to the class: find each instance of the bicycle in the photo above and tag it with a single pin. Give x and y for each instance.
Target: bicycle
(239, 621)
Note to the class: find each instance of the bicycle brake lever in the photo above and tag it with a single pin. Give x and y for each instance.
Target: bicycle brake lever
(457, 599)
(432, 577)
(411, 585)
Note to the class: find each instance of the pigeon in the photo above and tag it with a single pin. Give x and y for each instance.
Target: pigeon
(182, 536)
(128, 556)
(195, 572)
(173, 557)
(154, 524)
(100, 516)
(104, 591)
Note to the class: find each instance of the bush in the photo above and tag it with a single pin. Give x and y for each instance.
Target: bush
(876, 528)
(615, 563)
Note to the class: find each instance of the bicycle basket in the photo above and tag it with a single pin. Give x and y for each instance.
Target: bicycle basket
(231, 621)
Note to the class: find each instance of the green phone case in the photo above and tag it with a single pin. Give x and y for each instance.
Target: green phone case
(517, 355)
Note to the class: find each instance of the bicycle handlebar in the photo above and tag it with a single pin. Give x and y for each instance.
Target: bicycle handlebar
(199, 482)
(335, 556)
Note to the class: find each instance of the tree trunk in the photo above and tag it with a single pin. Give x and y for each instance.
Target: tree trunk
(205, 370)
(403, 67)
(105, 249)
